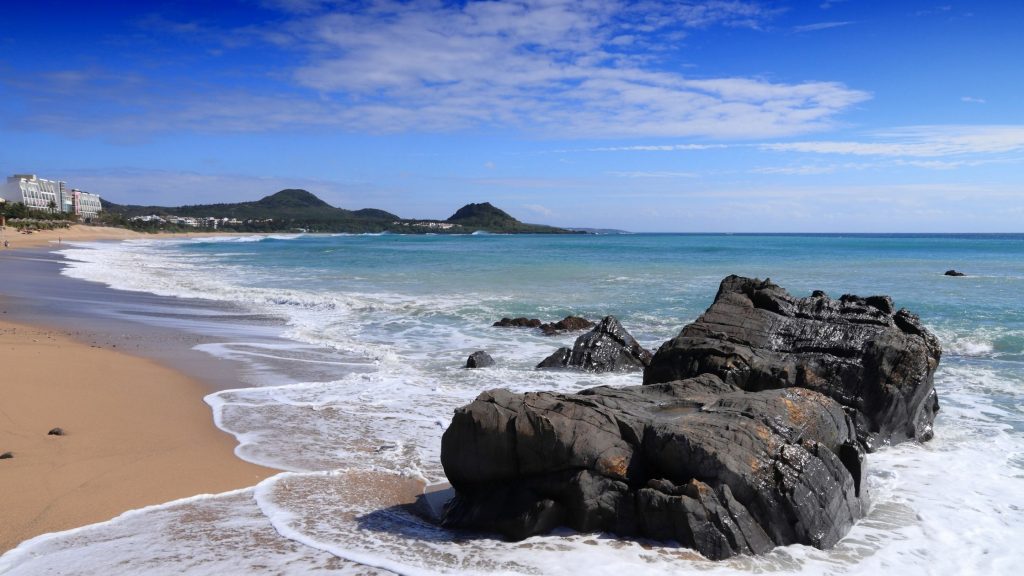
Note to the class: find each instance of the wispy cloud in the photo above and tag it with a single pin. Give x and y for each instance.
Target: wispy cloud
(821, 26)
(539, 209)
(919, 142)
(654, 174)
(549, 67)
(650, 148)
(972, 100)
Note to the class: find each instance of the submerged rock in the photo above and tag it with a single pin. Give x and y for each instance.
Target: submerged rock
(700, 461)
(479, 359)
(954, 273)
(521, 322)
(567, 324)
(877, 362)
(606, 348)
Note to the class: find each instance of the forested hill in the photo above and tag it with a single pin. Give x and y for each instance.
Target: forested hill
(295, 209)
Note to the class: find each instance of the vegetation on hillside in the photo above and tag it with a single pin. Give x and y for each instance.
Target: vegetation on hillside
(298, 210)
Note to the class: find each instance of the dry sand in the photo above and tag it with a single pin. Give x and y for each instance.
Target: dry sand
(137, 434)
(80, 233)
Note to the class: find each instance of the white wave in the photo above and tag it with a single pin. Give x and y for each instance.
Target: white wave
(203, 535)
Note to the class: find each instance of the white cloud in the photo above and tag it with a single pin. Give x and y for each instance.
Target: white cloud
(562, 68)
(972, 100)
(821, 26)
(651, 148)
(919, 142)
(539, 209)
(654, 174)
(549, 65)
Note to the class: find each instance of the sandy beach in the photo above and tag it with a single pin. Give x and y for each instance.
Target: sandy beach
(81, 233)
(136, 433)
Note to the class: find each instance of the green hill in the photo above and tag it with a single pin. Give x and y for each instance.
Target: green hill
(488, 218)
(295, 209)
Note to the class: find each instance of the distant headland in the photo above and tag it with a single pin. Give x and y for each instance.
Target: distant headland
(295, 210)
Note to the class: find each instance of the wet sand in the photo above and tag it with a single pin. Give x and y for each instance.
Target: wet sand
(136, 433)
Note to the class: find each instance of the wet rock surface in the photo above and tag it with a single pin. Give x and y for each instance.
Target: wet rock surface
(606, 348)
(567, 324)
(521, 322)
(749, 432)
(953, 273)
(479, 359)
(876, 361)
(699, 461)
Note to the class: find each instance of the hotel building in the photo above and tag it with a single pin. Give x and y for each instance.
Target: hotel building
(50, 195)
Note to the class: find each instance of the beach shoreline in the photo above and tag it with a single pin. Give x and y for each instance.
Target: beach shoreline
(83, 233)
(136, 432)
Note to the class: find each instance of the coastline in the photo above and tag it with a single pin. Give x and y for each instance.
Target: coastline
(137, 433)
(82, 233)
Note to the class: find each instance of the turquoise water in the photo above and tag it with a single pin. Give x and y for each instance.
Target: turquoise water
(389, 321)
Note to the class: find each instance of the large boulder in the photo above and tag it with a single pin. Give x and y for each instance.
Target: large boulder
(479, 359)
(606, 348)
(699, 461)
(875, 361)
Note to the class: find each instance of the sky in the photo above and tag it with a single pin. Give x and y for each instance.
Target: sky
(713, 116)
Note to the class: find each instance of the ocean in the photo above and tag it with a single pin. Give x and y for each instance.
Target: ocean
(370, 335)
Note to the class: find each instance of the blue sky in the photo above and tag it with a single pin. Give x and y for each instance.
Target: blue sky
(726, 115)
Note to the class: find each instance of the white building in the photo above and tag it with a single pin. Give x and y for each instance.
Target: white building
(36, 193)
(50, 195)
(85, 204)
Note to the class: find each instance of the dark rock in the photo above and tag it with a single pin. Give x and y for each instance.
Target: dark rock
(567, 324)
(876, 362)
(520, 322)
(56, 432)
(699, 461)
(606, 348)
(559, 359)
(954, 273)
(6, 455)
(479, 359)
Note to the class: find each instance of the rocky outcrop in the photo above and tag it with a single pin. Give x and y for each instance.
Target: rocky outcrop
(749, 432)
(953, 273)
(699, 461)
(606, 348)
(875, 361)
(521, 322)
(479, 359)
(567, 324)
